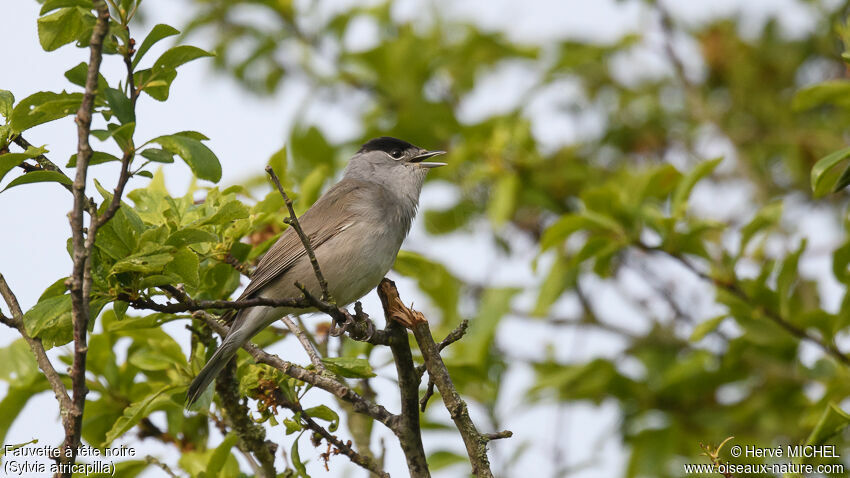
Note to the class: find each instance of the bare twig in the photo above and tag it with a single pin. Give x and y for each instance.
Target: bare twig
(292, 220)
(338, 389)
(429, 391)
(456, 334)
(195, 305)
(309, 347)
(151, 460)
(356, 458)
(130, 152)
(80, 279)
(17, 322)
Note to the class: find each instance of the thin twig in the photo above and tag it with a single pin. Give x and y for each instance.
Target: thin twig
(154, 461)
(292, 220)
(340, 390)
(734, 289)
(356, 458)
(456, 334)
(315, 358)
(429, 391)
(130, 152)
(37, 348)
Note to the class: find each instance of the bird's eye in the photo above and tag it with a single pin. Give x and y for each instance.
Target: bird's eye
(396, 153)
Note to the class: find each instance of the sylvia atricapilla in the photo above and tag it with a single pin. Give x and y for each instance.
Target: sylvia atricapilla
(356, 229)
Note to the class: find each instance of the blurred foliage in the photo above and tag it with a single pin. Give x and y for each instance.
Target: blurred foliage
(644, 194)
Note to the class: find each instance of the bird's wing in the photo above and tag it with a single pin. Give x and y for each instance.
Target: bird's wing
(337, 202)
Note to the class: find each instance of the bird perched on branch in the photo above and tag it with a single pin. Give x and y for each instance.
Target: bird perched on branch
(356, 229)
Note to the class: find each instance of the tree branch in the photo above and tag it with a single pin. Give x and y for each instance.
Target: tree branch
(356, 458)
(130, 152)
(251, 435)
(476, 442)
(80, 280)
(408, 384)
(315, 358)
(17, 322)
(734, 289)
(340, 390)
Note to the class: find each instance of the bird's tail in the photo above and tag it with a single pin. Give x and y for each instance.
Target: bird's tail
(236, 338)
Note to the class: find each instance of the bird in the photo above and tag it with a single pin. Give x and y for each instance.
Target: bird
(356, 229)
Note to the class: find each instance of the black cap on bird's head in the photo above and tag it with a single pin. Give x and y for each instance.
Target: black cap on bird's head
(386, 144)
(400, 150)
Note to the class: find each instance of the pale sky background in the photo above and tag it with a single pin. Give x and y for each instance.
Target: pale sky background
(245, 130)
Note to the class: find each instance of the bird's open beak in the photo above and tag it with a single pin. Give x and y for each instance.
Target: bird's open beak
(421, 157)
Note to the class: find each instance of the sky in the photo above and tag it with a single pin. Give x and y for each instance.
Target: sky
(245, 130)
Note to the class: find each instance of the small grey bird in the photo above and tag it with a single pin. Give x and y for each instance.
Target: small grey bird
(356, 229)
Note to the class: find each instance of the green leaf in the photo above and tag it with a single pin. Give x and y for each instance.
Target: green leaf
(834, 92)
(568, 224)
(349, 367)
(278, 163)
(556, 282)
(124, 469)
(326, 414)
(434, 279)
(179, 55)
(63, 27)
(296, 460)
(679, 202)
(227, 213)
(40, 177)
(767, 217)
(185, 264)
(146, 263)
(443, 459)
(787, 277)
(51, 5)
(503, 199)
(156, 86)
(7, 100)
(77, 75)
(200, 159)
(832, 421)
(50, 320)
(10, 161)
(158, 155)
(97, 157)
(190, 235)
(222, 452)
(158, 32)
(57, 288)
(121, 106)
(147, 322)
(43, 107)
(123, 134)
(138, 410)
(826, 176)
(20, 368)
(706, 327)
(477, 343)
(292, 426)
(13, 403)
